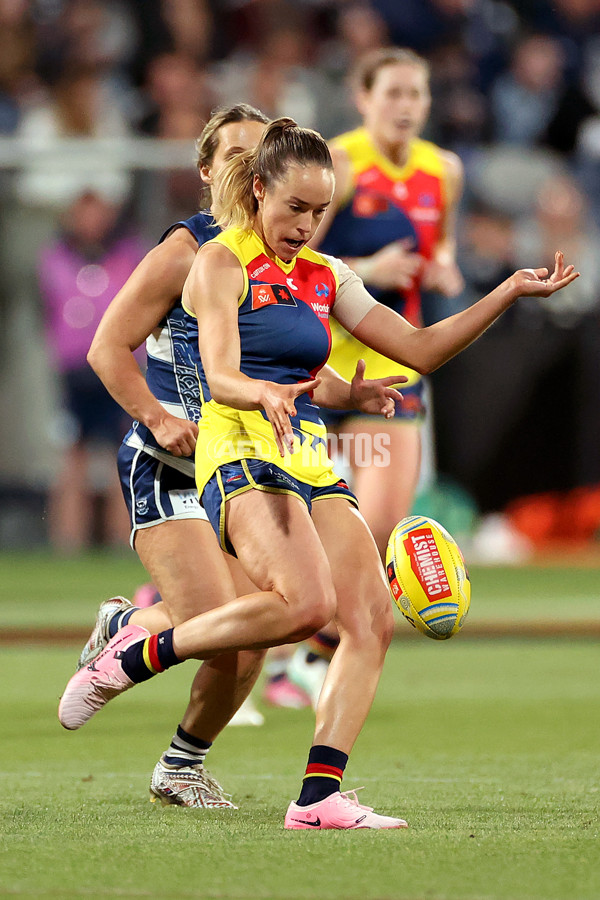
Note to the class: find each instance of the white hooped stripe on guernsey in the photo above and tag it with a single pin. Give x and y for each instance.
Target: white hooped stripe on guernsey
(160, 347)
(175, 409)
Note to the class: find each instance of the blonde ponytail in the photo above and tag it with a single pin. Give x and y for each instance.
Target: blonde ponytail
(234, 203)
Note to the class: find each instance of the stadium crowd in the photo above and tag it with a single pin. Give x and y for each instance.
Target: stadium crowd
(516, 94)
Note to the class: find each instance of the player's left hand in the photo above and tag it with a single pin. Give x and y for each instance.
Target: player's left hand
(538, 283)
(375, 396)
(279, 403)
(443, 277)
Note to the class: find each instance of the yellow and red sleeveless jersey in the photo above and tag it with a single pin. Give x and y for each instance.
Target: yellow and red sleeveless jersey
(386, 203)
(284, 331)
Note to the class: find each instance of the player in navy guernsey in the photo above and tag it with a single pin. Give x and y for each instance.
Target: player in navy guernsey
(262, 468)
(170, 531)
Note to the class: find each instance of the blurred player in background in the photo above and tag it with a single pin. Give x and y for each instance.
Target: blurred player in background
(78, 274)
(170, 531)
(392, 221)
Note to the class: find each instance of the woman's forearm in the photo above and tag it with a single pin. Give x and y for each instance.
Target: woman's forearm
(232, 388)
(117, 369)
(426, 349)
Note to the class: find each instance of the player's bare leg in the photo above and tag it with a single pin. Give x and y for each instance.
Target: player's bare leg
(189, 570)
(365, 625)
(364, 618)
(280, 551)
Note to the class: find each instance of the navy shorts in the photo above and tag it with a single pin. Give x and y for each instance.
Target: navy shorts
(255, 474)
(411, 409)
(154, 491)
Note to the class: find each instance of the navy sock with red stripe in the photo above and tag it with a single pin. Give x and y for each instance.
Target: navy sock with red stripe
(146, 658)
(324, 774)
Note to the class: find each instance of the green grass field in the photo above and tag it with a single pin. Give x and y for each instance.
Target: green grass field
(490, 749)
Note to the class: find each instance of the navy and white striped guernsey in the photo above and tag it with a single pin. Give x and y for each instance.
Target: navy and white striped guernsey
(171, 372)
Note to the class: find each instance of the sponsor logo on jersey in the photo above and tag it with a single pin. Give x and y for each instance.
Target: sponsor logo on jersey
(421, 214)
(290, 284)
(426, 563)
(260, 270)
(321, 309)
(271, 295)
(321, 290)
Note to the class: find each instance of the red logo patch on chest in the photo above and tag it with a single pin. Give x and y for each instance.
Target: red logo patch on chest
(262, 295)
(271, 294)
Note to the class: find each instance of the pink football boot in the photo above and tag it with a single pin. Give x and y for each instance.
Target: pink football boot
(339, 811)
(97, 683)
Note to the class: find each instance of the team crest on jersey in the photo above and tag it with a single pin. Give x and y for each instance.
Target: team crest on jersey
(368, 205)
(271, 295)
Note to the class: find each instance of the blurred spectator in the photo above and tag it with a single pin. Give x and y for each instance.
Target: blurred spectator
(79, 105)
(180, 97)
(561, 219)
(190, 26)
(525, 98)
(422, 24)
(277, 77)
(100, 34)
(459, 119)
(486, 250)
(17, 58)
(79, 274)
(359, 29)
(181, 100)
(572, 22)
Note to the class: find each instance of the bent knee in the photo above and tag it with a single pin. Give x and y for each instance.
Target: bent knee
(373, 622)
(315, 612)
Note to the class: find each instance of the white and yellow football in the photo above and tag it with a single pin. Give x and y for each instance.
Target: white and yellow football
(428, 578)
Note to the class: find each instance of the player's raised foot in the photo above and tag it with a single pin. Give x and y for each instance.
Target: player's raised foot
(100, 637)
(187, 786)
(338, 811)
(93, 686)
